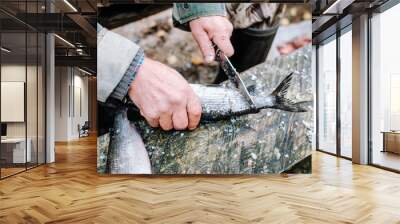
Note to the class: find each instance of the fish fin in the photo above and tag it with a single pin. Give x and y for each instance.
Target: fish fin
(288, 105)
(279, 95)
(281, 90)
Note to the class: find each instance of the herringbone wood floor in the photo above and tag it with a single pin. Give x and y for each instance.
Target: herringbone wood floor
(70, 191)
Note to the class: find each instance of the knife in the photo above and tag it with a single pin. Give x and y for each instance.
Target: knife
(234, 76)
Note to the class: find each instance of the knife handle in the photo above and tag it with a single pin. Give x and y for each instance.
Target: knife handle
(226, 66)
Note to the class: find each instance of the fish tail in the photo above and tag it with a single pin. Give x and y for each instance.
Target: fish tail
(279, 95)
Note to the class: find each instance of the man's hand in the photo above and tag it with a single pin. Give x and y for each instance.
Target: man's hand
(212, 29)
(164, 97)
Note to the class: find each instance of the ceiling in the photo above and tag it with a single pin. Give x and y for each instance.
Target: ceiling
(72, 20)
(19, 54)
(332, 15)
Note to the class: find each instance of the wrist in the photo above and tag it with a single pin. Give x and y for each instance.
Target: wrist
(123, 86)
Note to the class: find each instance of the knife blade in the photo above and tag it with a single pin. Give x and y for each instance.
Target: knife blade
(234, 76)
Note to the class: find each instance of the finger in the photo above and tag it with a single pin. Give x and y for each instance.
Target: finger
(166, 121)
(180, 119)
(152, 122)
(193, 111)
(223, 42)
(204, 43)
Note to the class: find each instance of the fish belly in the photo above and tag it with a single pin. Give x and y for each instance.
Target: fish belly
(219, 102)
(127, 153)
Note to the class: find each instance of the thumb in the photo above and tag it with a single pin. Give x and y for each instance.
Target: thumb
(204, 42)
(224, 43)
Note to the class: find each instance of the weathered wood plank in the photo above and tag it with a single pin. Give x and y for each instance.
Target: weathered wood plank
(270, 141)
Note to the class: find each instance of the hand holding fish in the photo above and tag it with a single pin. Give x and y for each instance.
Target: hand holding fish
(212, 29)
(164, 97)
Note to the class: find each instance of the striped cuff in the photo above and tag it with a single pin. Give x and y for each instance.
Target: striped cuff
(122, 88)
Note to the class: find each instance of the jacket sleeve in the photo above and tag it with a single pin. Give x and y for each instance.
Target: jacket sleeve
(183, 13)
(118, 59)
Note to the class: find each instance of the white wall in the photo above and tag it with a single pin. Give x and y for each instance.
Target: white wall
(61, 103)
(80, 97)
(314, 86)
(70, 83)
(13, 100)
(12, 73)
(17, 73)
(33, 126)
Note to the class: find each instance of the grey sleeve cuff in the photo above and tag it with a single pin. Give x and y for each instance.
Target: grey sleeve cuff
(121, 90)
(115, 53)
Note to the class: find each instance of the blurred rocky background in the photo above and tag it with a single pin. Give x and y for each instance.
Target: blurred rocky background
(150, 26)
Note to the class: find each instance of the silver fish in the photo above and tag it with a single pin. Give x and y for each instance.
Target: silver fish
(221, 102)
(127, 153)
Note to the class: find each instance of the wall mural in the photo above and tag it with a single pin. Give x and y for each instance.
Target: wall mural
(270, 134)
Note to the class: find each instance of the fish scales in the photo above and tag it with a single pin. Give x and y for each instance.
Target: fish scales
(126, 154)
(270, 141)
(219, 102)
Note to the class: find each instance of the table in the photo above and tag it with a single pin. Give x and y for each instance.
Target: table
(391, 141)
(13, 150)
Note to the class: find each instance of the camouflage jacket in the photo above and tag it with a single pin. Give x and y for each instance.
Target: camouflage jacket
(241, 15)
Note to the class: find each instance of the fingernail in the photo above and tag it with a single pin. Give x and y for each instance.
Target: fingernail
(209, 58)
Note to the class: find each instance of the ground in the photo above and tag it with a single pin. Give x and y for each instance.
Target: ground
(177, 48)
(71, 191)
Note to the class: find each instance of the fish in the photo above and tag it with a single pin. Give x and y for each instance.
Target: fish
(231, 138)
(220, 102)
(127, 153)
